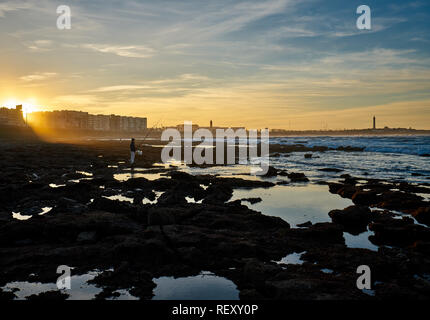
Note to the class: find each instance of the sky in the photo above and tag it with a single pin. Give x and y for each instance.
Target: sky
(292, 64)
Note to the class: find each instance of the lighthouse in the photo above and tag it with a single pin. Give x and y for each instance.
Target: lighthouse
(374, 122)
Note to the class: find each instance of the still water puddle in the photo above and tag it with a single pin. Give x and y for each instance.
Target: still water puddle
(119, 198)
(205, 286)
(295, 205)
(360, 241)
(149, 176)
(23, 217)
(53, 185)
(80, 288)
(158, 194)
(192, 200)
(292, 258)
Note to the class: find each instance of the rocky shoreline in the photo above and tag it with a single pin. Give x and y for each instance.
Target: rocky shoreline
(139, 229)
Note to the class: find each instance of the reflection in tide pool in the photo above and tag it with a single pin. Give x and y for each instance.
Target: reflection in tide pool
(292, 258)
(359, 241)
(149, 176)
(295, 205)
(205, 286)
(80, 288)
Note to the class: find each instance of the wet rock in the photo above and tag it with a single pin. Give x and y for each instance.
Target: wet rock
(334, 187)
(305, 224)
(365, 198)
(115, 206)
(49, 295)
(87, 237)
(6, 295)
(70, 205)
(422, 246)
(347, 191)
(297, 177)
(396, 200)
(350, 149)
(257, 272)
(271, 172)
(308, 155)
(218, 193)
(175, 196)
(250, 294)
(330, 170)
(353, 217)
(161, 216)
(252, 200)
(322, 233)
(398, 232)
(422, 215)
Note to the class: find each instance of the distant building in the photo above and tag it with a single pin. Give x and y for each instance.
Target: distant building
(12, 117)
(211, 124)
(84, 121)
(374, 122)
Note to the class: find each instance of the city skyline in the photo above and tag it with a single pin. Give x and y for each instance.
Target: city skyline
(278, 63)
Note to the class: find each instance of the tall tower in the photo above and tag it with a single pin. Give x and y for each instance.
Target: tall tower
(211, 124)
(374, 122)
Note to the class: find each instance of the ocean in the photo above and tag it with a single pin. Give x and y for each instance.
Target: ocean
(384, 157)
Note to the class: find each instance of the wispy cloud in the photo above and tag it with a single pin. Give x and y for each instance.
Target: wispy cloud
(40, 45)
(38, 76)
(131, 51)
(9, 6)
(120, 88)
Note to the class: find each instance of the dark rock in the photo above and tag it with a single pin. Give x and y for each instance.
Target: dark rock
(308, 155)
(353, 217)
(422, 215)
(322, 233)
(334, 187)
(350, 149)
(398, 232)
(305, 224)
(6, 295)
(161, 216)
(396, 200)
(87, 237)
(330, 170)
(271, 172)
(49, 295)
(252, 200)
(297, 177)
(347, 191)
(422, 246)
(365, 198)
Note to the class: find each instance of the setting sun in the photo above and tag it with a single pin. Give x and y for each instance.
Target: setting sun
(28, 106)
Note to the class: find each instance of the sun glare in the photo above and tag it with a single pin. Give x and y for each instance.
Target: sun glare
(28, 106)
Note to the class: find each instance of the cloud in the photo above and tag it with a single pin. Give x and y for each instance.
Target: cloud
(120, 88)
(12, 6)
(38, 76)
(40, 45)
(131, 51)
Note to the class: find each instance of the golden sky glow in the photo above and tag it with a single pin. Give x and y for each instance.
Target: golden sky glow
(255, 63)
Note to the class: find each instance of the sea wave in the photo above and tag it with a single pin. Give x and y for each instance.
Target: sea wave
(412, 145)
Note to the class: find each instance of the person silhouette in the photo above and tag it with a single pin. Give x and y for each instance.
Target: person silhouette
(132, 151)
